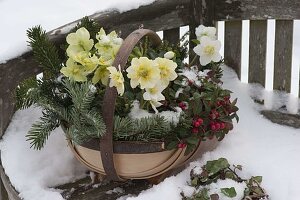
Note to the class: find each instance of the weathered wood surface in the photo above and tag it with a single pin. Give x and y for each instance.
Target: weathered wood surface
(257, 51)
(83, 190)
(283, 55)
(256, 9)
(233, 45)
(11, 74)
(172, 35)
(10, 193)
(281, 118)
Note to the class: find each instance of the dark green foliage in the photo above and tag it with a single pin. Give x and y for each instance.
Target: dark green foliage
(90, 25)
(44, 51)
(40, 130)
(144, 129)
(220, 169)
(85, 121)
(23, 92)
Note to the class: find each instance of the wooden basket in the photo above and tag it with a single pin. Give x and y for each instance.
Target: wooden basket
(131, 160)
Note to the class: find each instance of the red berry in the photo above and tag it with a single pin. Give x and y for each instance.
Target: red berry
(218, 126)
(195, 130)
(227, 98)
(213, 127)
(212, 116)
(191, 82)
(181, 104)
(181, 145)
(223, 125)
(197, 124)
(200, 121)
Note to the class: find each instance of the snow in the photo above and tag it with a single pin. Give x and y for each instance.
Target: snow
(22, 15)
(170, 116)
(32, 172)
(115, 190)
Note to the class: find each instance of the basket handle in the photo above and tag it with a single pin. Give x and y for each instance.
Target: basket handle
(108, 108)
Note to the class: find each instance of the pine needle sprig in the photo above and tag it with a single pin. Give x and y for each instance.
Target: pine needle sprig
(81, 95)
(44, 51)
(144, 129)
(41, 130)
(23, 92)
(90, 25)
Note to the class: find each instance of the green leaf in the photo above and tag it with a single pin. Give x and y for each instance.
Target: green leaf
(172, 145)
(192, 140)
(229, 192)
(196, 41)
(194, 182)
(215, 166)
(257, 178)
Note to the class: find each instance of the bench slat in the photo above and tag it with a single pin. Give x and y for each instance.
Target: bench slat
(283, 55)
(257, 51)
(233, 45)
(172, 35)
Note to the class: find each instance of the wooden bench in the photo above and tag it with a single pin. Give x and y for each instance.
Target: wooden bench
(168, 16)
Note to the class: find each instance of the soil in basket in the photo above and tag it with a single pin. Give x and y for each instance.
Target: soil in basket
(83, 190)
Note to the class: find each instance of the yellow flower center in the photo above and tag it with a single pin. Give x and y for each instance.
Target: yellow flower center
(143, 72)
(75, 71)
(164, 72)
(153, 90)
(210, 50)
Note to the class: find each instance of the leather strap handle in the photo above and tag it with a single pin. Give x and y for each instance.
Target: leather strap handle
(108, 108)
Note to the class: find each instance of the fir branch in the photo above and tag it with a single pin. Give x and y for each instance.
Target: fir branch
(90, 25)
(41, 130)
(144, 129)
(44, 51)
(81, 95)
(23, 93)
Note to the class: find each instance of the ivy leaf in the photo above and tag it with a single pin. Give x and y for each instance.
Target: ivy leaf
(229, 192)
(215, 166)
(194, 182)
(257, 178)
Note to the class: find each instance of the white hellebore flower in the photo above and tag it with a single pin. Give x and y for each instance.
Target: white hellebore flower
(205, 31)
(154, 95)
(169, 55)
(116, 79)
(208, 50)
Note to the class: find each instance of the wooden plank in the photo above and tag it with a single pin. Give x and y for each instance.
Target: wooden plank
(283, 55)
(195, 20)
(172, 35)
(160, 15)
(233, 45)
(257, 51)
(3, 193)
(256, 9)
(11, 74)
(12, 194)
